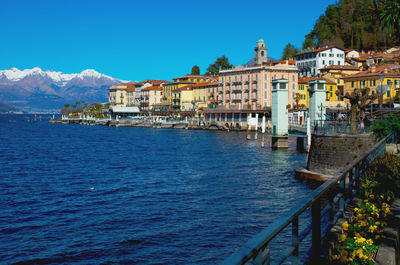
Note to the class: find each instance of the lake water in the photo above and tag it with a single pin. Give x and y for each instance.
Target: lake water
(75, 194)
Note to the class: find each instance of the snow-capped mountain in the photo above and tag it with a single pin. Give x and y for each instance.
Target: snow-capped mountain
(35, 89)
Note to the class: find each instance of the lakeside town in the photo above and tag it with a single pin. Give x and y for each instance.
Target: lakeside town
(233, 92)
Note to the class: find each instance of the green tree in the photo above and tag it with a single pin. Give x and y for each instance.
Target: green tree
(289, 51)
(195, 70)
(221, 63)
(66, 105)
(390, 16)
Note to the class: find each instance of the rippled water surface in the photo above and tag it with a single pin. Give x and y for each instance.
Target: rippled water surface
(78, 194)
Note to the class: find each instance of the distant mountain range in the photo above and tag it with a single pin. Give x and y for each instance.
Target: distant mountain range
(35, 90)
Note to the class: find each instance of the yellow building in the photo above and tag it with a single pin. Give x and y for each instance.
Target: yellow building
(302, 92)
(205, 95)
(332, 100)
(122, 95)
(178, 83)
(372, 79)
(182, 98)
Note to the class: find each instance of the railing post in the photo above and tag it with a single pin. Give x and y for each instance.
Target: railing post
(316, 230)
(342, 186)
(263, 257)
(349, 193)
(358, 176)
(295, 239)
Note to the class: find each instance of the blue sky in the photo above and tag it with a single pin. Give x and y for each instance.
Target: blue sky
(137, 40)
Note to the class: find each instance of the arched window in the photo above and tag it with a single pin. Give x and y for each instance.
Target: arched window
(262, 53)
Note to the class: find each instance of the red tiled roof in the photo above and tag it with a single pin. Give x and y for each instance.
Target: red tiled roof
(306, 80)
(204, 84)
(153, 82)
(128, 86)
(374, 73)
(291, 62)
(152, 88)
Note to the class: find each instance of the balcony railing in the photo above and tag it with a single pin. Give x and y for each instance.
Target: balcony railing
(237, 100)
(246, 82)
(254, 82)
(254, 100)
(236, 90)
(332, 197)
(254, 90)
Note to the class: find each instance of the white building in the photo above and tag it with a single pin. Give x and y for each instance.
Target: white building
(310, 61)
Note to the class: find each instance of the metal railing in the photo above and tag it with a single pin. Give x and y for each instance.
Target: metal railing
(326, 202)
(339, 127)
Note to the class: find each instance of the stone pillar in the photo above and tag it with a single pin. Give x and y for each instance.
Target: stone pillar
(280, 119)
(317, 100)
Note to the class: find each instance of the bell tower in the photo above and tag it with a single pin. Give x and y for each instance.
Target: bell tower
(261, 52)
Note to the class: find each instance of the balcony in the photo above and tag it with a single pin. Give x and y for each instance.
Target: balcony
(246, 82)
(220, 101)
(254, 100)
(254, 90)
(246, 100)
(246, 90)
(227, 92)
(220, 92)
(227, 83)
(227, 100)
(254, 82)
(236, 90)
(237, 100)
(237, 82)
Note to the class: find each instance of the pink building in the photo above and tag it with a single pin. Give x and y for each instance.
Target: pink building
(150, 96)
(250, 87)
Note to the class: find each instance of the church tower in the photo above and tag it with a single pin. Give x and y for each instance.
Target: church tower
(261, 52)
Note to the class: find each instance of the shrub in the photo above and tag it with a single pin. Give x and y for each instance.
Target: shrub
(382, 128)
(383, 177)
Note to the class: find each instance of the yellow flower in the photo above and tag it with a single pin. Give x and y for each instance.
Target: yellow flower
(382, 197)
(350, 259)
(370, 242)
(359, 240)
(371, 196)
(343, 237)
(356, 209)
(372, 228)
(377, 222)
(345, 225)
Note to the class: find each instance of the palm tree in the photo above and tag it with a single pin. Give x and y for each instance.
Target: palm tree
(390, 15)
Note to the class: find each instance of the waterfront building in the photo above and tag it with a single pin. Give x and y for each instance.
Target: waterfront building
(389, 74)
(334, 73)
(205, 95)
(250, 87)
(143, 84)
(183, 98)
(310, 61)
(122, 95)
(302, 92)
(178, 83)
(151, 96)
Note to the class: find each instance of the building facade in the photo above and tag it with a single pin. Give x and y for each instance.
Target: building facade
(122, 95)
(151, 96)
(374, 77)
(309, 62)
(205, 95)
(250, 87)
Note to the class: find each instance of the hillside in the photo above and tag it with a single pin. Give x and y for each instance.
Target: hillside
(357, 24)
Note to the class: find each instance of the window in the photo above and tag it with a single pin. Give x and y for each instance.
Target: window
(372, 82)
(293, 78)
(338, 62)
(388, 94)
(352, 83)
(274, 76)
(323, 62)
(266, 77)
(266, 85)
(265, 94)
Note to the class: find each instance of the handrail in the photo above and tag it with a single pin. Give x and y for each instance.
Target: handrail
(257, 248)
